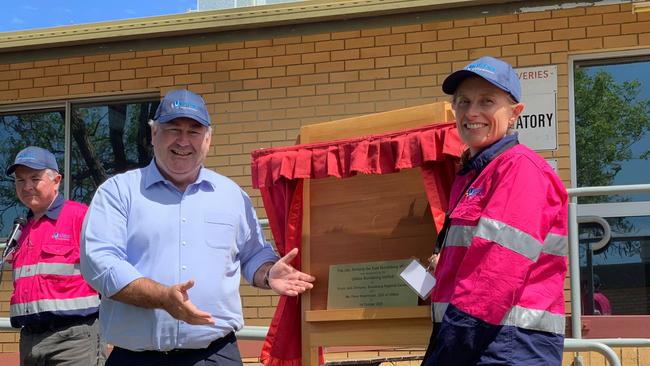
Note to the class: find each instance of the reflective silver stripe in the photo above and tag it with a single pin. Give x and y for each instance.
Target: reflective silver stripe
(62, 269)
(535, 320)
(460, 236)
(439, 309)
(556, 244)
(54, 305)
(509, 237)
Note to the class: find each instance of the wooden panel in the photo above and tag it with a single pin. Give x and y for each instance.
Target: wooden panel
(399, 119)
(363, 219)
(367, 218)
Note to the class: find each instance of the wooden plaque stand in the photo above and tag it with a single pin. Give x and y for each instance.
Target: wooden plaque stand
(365, 218)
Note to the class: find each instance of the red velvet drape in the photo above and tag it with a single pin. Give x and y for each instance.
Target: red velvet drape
(279, 172)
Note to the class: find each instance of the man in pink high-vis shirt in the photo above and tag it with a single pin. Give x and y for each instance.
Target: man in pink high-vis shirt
(51, 303)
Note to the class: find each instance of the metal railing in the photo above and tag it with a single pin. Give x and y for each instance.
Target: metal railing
(577, 344)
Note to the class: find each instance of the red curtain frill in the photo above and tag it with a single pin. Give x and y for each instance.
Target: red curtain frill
(278, 173)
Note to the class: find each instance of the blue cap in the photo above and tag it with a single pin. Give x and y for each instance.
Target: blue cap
(496, 71)
(35, 158)
(182, 103)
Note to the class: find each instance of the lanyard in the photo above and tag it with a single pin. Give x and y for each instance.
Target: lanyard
(442, 235)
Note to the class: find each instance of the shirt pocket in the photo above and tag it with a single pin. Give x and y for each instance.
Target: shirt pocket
(467, 210)
(219, 231)
(56, 250)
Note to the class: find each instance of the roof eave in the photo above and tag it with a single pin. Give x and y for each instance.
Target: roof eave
(219, 21)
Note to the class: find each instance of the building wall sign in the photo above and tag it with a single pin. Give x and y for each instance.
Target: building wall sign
(537, 125)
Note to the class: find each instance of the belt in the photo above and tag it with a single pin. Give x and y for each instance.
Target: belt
(211, 348)
(60, 322)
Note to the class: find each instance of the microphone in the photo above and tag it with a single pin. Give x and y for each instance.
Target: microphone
(12, 240)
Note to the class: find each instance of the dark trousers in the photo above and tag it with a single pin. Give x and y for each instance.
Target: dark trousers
(222, 352)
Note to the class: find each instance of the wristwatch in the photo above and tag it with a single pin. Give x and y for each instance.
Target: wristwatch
(266, 278)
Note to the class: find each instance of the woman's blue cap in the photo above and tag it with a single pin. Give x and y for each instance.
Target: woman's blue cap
(495, 71)
(181, 103)
(36, 158)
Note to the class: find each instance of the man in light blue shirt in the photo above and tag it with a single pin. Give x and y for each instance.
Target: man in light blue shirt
(166, 245)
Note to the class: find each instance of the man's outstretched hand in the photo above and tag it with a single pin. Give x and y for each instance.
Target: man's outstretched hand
(177, 303)
(286, 280)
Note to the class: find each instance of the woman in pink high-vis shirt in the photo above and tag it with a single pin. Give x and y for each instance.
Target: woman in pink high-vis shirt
(502, 260)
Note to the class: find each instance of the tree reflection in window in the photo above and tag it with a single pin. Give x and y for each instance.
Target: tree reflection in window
(107, 139)
(17, 131)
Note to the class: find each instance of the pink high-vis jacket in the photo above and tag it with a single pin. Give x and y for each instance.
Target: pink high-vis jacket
(47, 280)
(503, 263)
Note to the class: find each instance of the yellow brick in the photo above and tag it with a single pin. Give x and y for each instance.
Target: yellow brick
(571, 12)
(57, 70)
(329, 45)
(617, 18)
(371, 32)
(360, 42)
(620, 41)
(54, 91)
(343, 35)
(390, 39)
(534, 37)
(501, 40)
(122, 74)
(453, 33)
(285, 40)
(469, 43)
(375, 52)
(586, 21)
(175, 70)
(187, 79)
(22, 65)
(606, 30)
(516, 50)
(107, 65)
(554, 46)
(638, 27)
(107, 86)
(585, 44)
(485, 30)
(362, 64)
(257, 62)
(176, 51)
(133, 84)
(286, 60)
(160, 81)
(86, 88)
(300, 48)
(45, 63)
(30, 93)
(21, 84)
(345, 55)
(187, 58)
(572, 33)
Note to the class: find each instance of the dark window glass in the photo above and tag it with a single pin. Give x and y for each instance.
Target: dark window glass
(107, 139)
(17, 131)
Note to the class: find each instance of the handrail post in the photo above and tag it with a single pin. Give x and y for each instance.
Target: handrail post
(574, 267)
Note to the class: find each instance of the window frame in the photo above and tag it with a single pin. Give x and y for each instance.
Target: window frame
(605, 326)
(67, 104)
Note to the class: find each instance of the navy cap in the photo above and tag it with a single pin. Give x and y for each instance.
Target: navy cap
(496, 71)
(36, 158)
(182, 103)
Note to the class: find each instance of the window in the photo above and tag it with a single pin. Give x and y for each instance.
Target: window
(612, 147)
(91, 139)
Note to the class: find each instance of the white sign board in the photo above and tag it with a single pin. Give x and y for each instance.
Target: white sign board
(537, 125)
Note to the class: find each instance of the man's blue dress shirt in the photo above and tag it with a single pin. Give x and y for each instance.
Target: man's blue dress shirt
(140, 225)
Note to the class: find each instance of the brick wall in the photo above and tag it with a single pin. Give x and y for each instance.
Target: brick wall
(261, 89)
